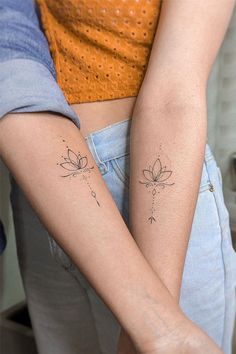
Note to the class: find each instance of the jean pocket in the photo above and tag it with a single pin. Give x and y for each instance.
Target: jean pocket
(121, 166)
(215, 176)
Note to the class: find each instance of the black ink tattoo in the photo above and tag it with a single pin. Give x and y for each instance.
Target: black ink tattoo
(77, 164)
(156, 176)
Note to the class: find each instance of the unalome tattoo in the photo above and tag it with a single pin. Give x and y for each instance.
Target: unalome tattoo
(77, 165)
(155, 177)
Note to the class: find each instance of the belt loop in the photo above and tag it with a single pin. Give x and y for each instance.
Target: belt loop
(101, 165)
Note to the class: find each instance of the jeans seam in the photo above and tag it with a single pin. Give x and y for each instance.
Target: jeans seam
(103, 167)
(224, 266)
(115, 157)
(222, 256)
(119, 173)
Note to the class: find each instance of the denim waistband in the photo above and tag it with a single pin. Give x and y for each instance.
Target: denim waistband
(110, 142)
(114, 141)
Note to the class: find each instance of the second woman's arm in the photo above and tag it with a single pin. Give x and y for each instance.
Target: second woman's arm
(168, 135)
(169, 129)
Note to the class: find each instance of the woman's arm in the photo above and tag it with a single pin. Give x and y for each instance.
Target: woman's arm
(168, 133)
(87, 225)
(24, 49)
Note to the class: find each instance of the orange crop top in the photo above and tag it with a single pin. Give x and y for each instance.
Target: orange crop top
(100, 48)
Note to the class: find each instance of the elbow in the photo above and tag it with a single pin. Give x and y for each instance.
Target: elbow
(172, 102)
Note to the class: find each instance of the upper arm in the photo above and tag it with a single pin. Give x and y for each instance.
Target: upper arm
(188, 37)
(27, 73)
(21, 36)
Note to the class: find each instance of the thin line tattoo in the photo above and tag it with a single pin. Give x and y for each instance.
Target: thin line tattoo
(78, 165)
(156, 176)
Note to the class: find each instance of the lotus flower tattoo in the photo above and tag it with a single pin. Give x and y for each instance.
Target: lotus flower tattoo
(156, 176)
(77, 164)
(74, 163)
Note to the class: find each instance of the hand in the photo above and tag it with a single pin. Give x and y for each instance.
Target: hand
(186, 339)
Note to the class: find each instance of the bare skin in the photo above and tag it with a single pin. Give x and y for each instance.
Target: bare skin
(186, 339)
(97, 115)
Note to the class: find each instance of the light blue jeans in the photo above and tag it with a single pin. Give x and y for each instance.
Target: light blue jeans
(67, 314)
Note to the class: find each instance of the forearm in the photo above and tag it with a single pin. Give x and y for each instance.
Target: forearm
(88, 227)
(161, 212)
(170, 120)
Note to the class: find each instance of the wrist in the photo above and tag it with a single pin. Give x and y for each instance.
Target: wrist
(186, 338)
(181, 332)
(158, 325)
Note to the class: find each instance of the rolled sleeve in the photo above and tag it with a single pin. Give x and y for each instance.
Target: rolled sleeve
(28, 86)
(27, 74)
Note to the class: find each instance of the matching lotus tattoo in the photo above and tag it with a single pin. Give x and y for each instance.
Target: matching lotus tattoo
(155, 177)
(77, 165)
